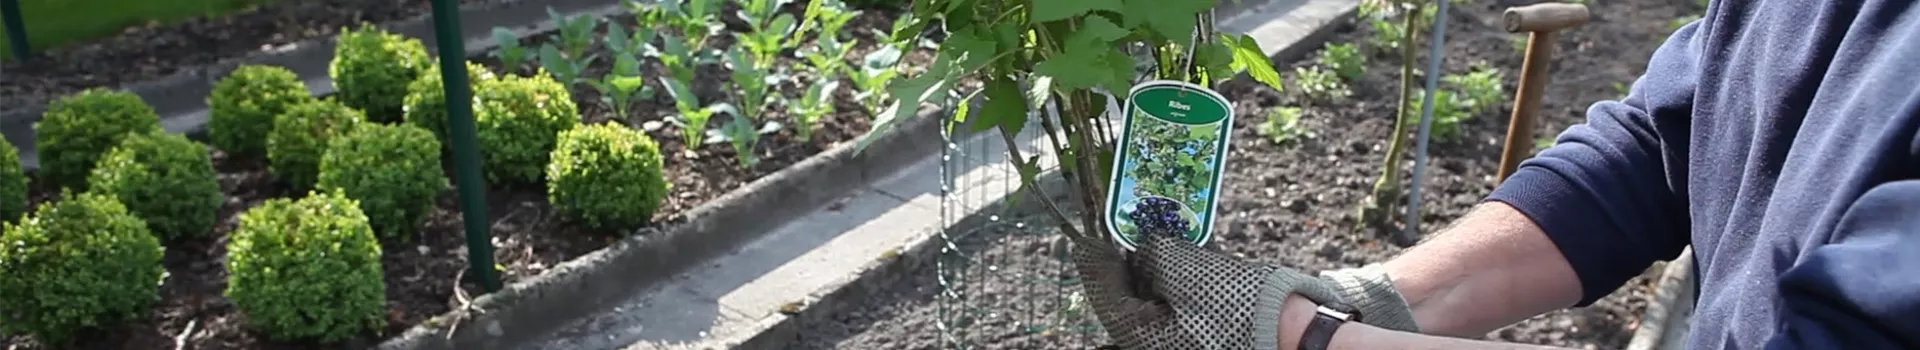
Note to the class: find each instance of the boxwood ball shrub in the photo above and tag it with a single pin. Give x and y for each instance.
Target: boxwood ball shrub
(13, 183)
(392, 170)
(518, 120)
(426, 103)
(300, 137)
(372, 67)
(606, 175)
(307, 269)
(78, 129)
(243, 105)
(79, 262)
(166, 180)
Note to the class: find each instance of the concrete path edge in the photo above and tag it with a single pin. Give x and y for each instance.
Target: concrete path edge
(600, 279)
(1281, 45)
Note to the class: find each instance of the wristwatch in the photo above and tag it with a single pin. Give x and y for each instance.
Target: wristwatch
(1326, 320)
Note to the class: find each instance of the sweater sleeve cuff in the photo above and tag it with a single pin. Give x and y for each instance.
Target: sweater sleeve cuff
(1571, 218)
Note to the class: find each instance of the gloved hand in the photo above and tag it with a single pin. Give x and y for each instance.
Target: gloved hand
(1173, 295)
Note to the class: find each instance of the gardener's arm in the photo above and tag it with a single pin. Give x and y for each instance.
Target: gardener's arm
(1570, 226)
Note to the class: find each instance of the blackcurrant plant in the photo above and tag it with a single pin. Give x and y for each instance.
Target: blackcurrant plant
(1071, 54)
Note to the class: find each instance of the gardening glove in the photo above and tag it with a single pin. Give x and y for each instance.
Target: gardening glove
(1369, 290)
(1192, 299)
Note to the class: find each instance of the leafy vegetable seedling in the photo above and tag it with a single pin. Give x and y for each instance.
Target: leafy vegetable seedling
(1320, 83)
(1344, 59)
(564, 69)
(827, 57)
(877, 70)
(1283, 125)
(694, 18)
(693, 116)
(640, 42)
(767, 40)
(677, 57)
(621, 85)
(810, 108)
(512, 55)
(750, 84)
(745, 138)
(576, 32)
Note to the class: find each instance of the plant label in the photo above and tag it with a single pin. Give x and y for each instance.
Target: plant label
(1171, 156)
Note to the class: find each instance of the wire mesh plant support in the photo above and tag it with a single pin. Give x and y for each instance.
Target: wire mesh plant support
(1006, 280)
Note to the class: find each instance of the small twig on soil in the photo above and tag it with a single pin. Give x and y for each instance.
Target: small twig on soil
(466, 304)
(180, 341)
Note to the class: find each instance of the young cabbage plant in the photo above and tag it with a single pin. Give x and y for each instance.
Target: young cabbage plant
(621, 43)
(694, 18)
(750, 83)
(512, 55)
(576, 32)
(564, 69)
(832, 17)
(619, 87)
(876, 71)
(759, 12)
(767, 40)
(745, 138)
(827, 57)
(693, 116)
(677, 57)
(812, 107)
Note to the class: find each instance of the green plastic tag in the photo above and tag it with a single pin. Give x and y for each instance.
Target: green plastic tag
(1172, 155)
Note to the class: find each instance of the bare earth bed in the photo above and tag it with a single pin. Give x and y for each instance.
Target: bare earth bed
(152, 51)
(423, 272)
(1295, 204)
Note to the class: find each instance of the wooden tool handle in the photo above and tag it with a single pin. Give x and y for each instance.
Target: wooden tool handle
(1545, 17)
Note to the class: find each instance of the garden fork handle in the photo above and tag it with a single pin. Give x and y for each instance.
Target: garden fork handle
(1541, 22)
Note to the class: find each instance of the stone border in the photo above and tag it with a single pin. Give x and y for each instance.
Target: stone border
(180, 98)
(1664, 325)
(600, 280)
(1286, 37)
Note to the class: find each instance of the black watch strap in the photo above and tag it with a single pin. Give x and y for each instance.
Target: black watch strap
(1326, 320)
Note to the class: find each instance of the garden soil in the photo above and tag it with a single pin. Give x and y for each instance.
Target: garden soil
(145, 51)
(1295, 204)
(423, 273)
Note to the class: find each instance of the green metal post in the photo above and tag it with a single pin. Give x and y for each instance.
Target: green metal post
(16, 28)
(466, 146)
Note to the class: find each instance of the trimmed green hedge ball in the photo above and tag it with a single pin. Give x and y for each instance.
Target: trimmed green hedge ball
(82, 261)
(392, 170)
(607, 175)
(372, 67)
(426, 103)
(243, 104)
(165, 179)
(300, 137)
(518, 120)
(78, 129)
(307, 269)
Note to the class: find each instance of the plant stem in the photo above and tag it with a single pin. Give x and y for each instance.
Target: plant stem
(1386, 190)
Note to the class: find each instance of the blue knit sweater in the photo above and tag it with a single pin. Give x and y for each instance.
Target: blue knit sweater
(1780, 138)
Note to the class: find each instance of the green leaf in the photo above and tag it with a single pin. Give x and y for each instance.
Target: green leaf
(908, 96)
(682, 95)
(1098, 29)
(1053, 10)
(1086, 63)
(1172, 20)
(1041, 89)
(1217, 58)
(974, 50)
(618, 41)
(1006, 107)
(1248, 57)
(883, 58)
(961, 111)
